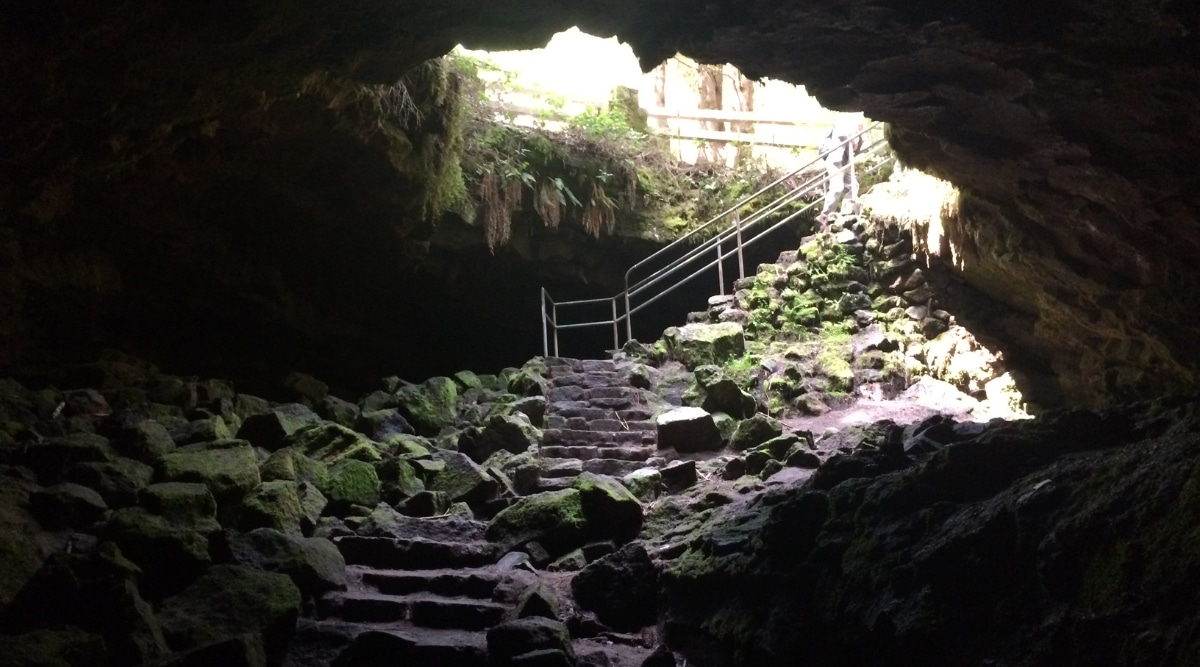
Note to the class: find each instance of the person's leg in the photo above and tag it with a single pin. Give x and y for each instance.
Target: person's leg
(852, 189)
(837, 186)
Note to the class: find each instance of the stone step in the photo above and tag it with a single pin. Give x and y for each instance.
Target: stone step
(588, 452)
(559, 422)
(562, 467)
(414, 554)
(575, 437)
(420, 609)
(608, 393)
(611, 467)
(460, 583)
(590, 379)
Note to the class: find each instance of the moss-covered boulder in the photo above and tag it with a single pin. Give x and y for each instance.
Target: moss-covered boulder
(554, 519)
(429, 406)
(170, 554)
(463, 480)
(500, 433)
(292, 465)
(20, 552)
(275, 505)
(206, 429)
(611, 511)
(328, 442)
(399, 480)
(50, 457)
(715, 391)
(230, 470)
(645, 483)
(313, 563)
(182, 503)
(117, 481)
(143, 439)
(529, 380)
(230, 601)
(754, 431)
(699, 344)
(546, 639)
(352, 482)
(269, 430)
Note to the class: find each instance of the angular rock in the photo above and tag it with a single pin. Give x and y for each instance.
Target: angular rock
(611, 511)
(515, 638)
(620, 589)
(330, 443)
(275, 505)
(699, 344)
(429, 406)
(679, 475)
(230, 601)
(117, 481)
(169, 554)
(67, 506)
(688, 430)
(463, 480)
(645, 483)
(268, 430)
(352, 482)
(754, 431)
(314, 564)
(554, 518)
(229, 472)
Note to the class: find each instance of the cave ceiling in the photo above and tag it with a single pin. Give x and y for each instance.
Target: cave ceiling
(1070, 126)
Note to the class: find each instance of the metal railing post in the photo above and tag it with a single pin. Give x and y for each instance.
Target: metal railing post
(720, 271)
(616, 329)
(741, 260)
(628, 313)
(554, 311)
(545, 339)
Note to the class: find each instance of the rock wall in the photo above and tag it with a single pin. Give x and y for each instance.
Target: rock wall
(142, 142)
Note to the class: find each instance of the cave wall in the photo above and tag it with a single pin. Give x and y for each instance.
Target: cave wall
(157, 160)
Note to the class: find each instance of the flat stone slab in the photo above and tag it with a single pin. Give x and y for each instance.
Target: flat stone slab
(415, 554)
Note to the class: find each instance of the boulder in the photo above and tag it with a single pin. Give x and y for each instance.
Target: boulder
(200, 430)
(679, 475)
(274, 505)
(526, 635)
(699, 344)
(118, 481)
(380, 425)
(229, 471)
(182, 503)
(754, 431)
(500, 434)
(170, 555)
(620, 588)
(429, 406)
(463, 480)
(230, 601)
(555, 519)
(716, 392)
(645, 483)
(688, 430)
(292, 465)
(351, 482)
(269, 430)
(610, 510)
(329, 443)
(95, 591)
(67, 505)
(53, 648)
(49, 458)
(314, 564)
(338, 411)
(307, 389)
(143, 439)
(425, 504)
(399, 480)
(21, 554)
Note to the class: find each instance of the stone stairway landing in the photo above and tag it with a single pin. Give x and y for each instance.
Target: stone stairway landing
(596, 421)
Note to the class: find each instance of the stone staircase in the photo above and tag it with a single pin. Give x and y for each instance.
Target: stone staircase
(427, 597)
(596, 421)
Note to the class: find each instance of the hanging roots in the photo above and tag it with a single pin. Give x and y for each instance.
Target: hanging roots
(498, 208)
(548, 202)
(599, 214)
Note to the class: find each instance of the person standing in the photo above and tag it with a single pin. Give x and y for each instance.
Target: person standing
(840, 148)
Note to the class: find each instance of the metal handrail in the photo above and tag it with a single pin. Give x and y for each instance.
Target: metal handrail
(717, 239)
